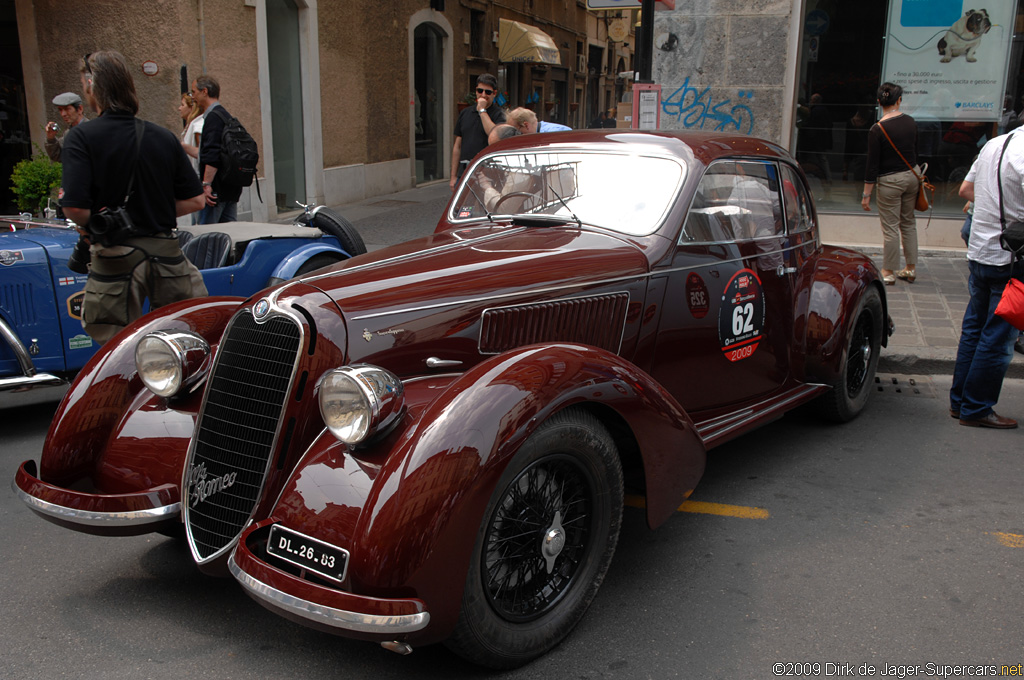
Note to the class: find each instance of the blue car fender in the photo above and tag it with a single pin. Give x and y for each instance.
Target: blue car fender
(290, 264)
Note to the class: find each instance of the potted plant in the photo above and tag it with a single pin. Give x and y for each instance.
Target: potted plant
(469, 99)
(33, 181)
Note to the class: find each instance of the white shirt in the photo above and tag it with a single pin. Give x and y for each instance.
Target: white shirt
(985, 226)
(191, 137)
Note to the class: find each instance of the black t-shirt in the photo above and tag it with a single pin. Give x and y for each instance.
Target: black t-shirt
(882, 158)
(209, 150)
(97, 164)
(469, 127)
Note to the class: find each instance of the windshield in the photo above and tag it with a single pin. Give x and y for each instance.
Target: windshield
(626, 193)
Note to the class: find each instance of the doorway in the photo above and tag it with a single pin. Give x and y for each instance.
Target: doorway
(15, 137)
(428, 92)
(286, 113)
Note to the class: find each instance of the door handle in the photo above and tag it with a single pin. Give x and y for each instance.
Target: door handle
(783, 270)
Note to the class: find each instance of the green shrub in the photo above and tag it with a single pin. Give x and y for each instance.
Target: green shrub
(33, 181)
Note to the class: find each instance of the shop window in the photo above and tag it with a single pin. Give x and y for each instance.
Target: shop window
(843, 61)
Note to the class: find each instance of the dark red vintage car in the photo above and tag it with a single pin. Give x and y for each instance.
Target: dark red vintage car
(431, 442)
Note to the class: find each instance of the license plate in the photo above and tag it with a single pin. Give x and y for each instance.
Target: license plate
(309, 553)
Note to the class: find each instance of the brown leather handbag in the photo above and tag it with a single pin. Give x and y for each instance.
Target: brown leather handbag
(925, 190)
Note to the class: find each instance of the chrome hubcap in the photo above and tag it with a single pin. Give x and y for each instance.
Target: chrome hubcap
(553, 542)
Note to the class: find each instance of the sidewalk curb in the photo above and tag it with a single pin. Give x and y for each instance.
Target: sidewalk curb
(912, 364)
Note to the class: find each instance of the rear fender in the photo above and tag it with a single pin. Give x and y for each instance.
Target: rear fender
(298, 257)
(831, 310)
(107, 396)
(409, 508)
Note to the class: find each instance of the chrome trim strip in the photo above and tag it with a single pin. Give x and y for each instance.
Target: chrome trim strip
(99, 519)
(28, 381)
(412, 256)
(335, 618)
(730, 422)
(602, 282)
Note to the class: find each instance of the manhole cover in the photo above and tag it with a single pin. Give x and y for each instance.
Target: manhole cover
(907, 385)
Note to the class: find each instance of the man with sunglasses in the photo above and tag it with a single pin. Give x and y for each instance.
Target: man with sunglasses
(474, 124)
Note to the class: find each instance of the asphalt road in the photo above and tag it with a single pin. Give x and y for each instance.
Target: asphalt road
(894, 540)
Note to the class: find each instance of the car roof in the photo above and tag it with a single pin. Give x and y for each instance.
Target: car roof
(702, 146)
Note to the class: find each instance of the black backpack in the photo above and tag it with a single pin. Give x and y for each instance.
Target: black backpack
(238, 153)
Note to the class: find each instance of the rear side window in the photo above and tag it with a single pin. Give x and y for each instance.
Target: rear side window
(736, 201)
(798, 203)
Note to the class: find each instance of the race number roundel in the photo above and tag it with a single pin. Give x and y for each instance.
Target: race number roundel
(697, 296)
(741, 316)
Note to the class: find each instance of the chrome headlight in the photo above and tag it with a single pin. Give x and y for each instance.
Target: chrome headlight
(356, 402)
(170, 361)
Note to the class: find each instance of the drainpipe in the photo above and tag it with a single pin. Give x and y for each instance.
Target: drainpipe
(202, 39)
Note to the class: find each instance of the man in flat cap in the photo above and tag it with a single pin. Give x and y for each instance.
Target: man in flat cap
(69, 105)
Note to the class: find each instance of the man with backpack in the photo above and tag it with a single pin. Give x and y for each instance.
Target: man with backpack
(227, 154)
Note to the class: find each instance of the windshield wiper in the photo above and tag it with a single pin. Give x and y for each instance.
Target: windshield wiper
(566, 205)
(469, 185)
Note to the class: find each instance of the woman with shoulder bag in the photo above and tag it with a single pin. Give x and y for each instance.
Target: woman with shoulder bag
(892, 163)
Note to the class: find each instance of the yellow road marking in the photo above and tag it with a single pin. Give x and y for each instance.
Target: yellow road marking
(1009, 540)
(741, 511)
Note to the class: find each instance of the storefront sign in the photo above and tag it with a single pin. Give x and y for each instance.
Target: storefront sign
(950, 60)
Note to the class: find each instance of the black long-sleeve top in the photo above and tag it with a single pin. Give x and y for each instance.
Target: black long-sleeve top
(882, 158)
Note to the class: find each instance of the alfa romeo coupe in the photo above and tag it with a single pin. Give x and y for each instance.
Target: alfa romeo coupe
(431, 442)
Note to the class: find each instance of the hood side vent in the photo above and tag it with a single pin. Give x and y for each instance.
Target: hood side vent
(598, 320)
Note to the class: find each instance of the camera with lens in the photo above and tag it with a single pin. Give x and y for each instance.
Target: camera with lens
(111, 227)
(80, 257)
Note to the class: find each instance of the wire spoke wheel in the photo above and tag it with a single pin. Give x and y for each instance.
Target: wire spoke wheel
(544, 543)
(537, 537)
(860, 354)
(852, 386)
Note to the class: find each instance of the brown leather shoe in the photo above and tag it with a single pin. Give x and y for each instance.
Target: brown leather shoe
(992, 420)
(954, 414)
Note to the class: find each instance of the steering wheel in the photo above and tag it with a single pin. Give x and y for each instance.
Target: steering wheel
(514, 194)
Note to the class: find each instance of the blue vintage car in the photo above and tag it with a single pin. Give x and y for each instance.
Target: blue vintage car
(42, 343)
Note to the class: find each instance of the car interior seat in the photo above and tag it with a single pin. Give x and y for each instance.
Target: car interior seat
(208, 251)
(184, 237)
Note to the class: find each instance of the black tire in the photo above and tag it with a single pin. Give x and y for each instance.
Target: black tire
(534, 571)
(318, 261)
(849, 394)
(333, 224)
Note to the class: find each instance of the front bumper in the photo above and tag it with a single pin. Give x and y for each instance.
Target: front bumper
(316, 606)
(126, 514)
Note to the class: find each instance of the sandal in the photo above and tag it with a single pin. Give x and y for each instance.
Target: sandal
(907, 275)
(889, 279)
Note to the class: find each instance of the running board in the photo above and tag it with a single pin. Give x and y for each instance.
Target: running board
(719, 430)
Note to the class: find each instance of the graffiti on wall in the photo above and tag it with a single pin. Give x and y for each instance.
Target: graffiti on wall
(695, 109)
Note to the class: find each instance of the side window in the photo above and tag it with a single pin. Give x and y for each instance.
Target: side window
(736, 201)
(798, 203)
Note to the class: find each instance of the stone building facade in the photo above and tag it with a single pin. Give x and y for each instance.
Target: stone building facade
(347, 99)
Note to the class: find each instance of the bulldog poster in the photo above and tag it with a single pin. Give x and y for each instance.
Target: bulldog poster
(950, 56)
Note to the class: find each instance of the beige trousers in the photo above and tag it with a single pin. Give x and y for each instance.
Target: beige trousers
(897, 195)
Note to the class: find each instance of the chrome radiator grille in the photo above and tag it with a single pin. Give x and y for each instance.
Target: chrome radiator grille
(597, 320)
(237, 430)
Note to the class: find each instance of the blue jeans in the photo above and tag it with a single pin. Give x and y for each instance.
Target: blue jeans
(224, 211)
(986, 343)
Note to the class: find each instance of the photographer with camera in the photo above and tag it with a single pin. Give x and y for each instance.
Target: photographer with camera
(125, 182)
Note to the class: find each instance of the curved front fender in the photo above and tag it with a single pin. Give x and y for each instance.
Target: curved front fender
(288, 266)
(410, 508)
(107, 394)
